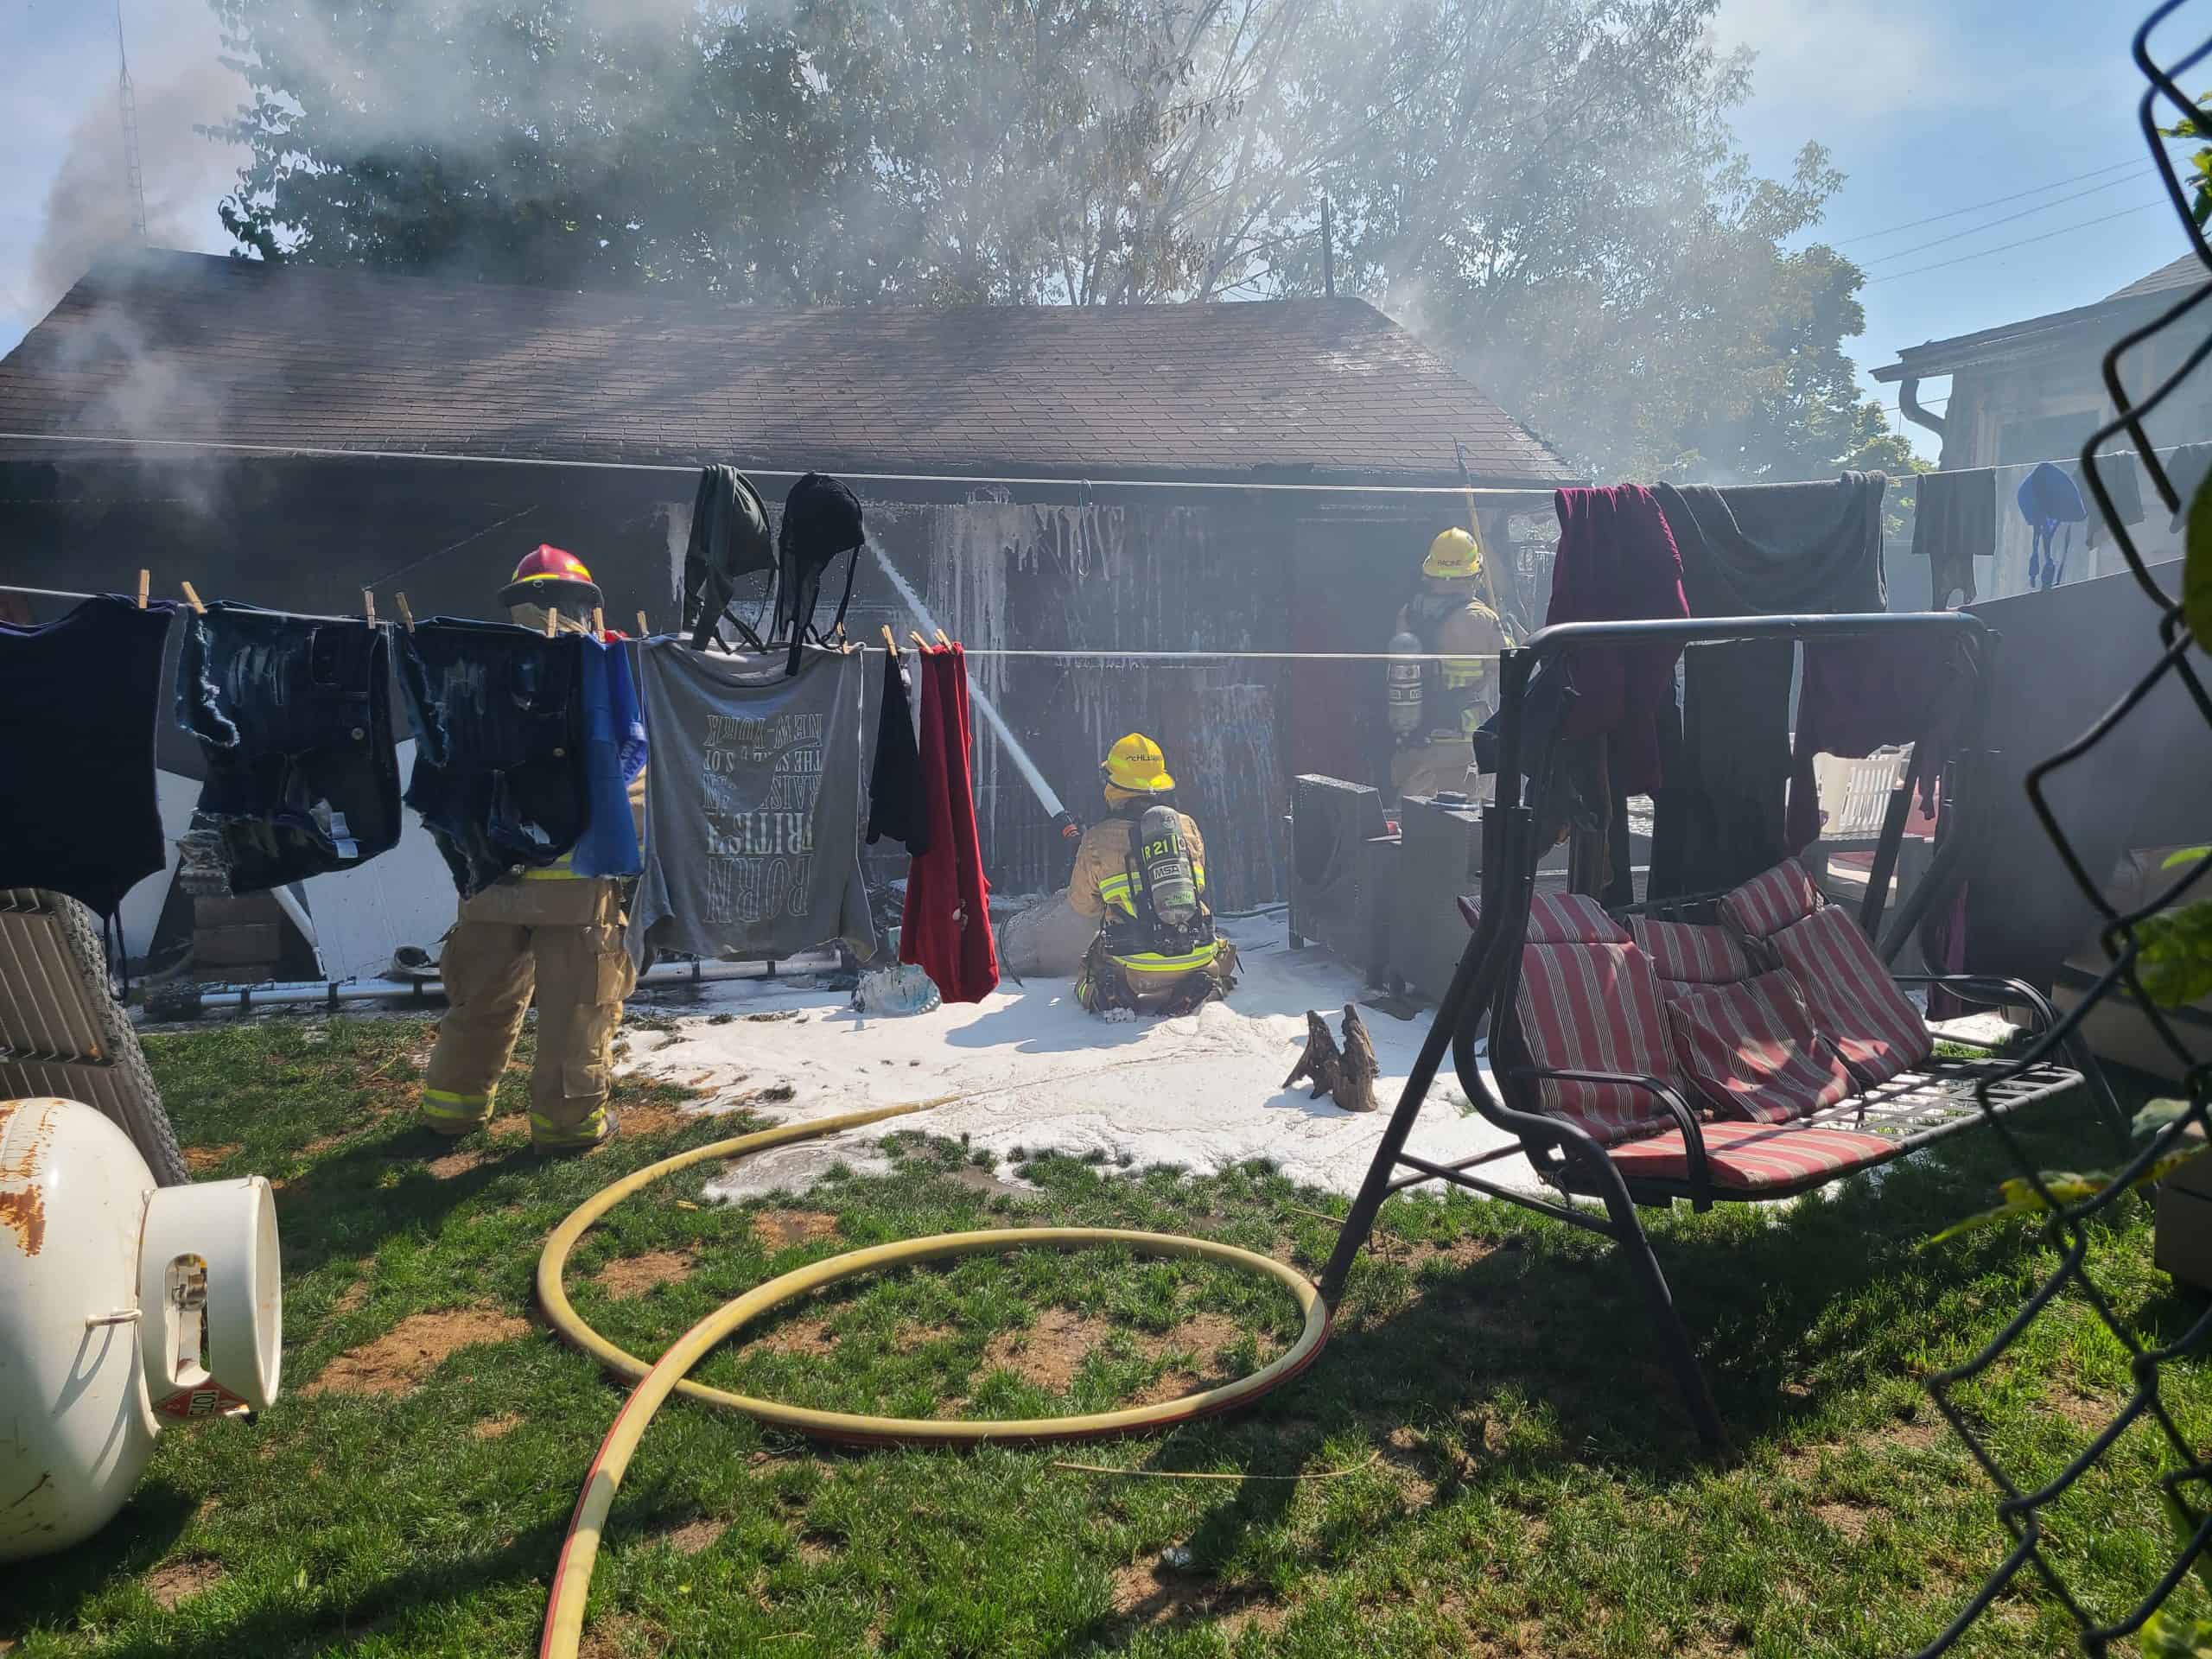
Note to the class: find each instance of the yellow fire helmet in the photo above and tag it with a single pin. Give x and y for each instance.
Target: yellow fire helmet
(1136, 765)
(1455, 556)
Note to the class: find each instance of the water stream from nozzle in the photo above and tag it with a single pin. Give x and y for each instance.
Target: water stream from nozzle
(1019, 756)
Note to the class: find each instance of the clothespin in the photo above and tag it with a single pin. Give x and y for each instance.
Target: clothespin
(144, 579)
(190, 598)
(598, 623)
(920, 643)
(369, 605)
(644, 633)
(889, 644)
(943, 643)
(552, 620)
(405, 616)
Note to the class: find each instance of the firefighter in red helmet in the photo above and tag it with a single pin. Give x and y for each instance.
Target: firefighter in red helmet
(546, 933)
(551, 577)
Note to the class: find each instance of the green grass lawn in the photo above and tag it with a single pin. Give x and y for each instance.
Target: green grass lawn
(1522, 1477)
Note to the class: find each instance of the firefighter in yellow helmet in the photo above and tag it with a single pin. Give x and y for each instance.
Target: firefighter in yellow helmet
(548, 933)
(1140, 874)
(1434, 707)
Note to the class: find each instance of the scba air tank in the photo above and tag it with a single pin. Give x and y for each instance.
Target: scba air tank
(1402, 684)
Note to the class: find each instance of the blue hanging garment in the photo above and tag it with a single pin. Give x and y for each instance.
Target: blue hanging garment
(614, 753)
(2048, 499)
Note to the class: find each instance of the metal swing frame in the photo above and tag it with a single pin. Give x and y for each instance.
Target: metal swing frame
(1944, 1096)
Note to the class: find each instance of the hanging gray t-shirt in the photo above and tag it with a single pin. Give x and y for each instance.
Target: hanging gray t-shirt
(752, 805)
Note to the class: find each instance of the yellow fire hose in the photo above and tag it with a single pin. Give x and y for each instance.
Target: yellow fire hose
(564, 1614)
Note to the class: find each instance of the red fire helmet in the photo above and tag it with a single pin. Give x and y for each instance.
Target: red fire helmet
(550, 576)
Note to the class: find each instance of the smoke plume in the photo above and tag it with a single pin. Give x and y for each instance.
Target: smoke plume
(87, 207)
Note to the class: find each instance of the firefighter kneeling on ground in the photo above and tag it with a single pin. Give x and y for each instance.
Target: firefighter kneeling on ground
(548, 931)
(1142, 873)
(1435, 708)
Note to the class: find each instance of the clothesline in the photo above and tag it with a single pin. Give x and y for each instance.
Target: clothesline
(2161, 451)
(1057, 655)
(63, 593)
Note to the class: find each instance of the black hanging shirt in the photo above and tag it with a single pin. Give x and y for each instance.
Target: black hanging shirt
(77, 751)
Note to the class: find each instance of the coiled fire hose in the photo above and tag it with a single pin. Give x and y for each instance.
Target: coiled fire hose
(564, 1613)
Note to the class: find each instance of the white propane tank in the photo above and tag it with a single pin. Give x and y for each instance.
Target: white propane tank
(125, 1306)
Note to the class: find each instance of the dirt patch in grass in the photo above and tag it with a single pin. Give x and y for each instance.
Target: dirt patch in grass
(1049, 1353)
(174, 1583)
(493, 1427)
(396, 1362)
(200, 1159)
(1917, 1436)
(1848, 1519)
(778, 1230)
(809, 1338)
(652, 1117)
(2084, 1413)
(455, 1163)
(354, 1295)
(694, 1536)
(1204, 1337)
(631, 1276)
(1145, 1595)
(621, 1636)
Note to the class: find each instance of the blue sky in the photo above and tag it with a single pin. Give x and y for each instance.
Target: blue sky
(1929, 107)
(1932, 107)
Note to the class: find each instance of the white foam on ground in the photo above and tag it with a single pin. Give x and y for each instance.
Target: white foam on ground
(1037, 1073)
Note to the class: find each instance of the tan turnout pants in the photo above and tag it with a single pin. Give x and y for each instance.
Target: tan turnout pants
(561, 939)
(1431, 768)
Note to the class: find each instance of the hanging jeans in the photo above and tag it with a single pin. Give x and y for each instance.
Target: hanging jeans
(294, 720)
(499, 763)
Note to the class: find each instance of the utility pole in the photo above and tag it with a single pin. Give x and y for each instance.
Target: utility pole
(1328, 246)
(134, 175)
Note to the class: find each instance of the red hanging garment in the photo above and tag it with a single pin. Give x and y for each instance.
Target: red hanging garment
(946, 929)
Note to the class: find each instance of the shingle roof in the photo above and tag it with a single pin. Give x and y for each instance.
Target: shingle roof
(2188, 271)
(161, 345)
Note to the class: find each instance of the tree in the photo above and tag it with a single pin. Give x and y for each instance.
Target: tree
(573, 143)
(1548, 190)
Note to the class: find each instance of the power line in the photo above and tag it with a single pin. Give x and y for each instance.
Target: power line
(2024, 212)
(2063, 229)
(1975, 207)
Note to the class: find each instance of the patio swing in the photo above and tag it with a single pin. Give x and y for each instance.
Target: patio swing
(1725, 1047)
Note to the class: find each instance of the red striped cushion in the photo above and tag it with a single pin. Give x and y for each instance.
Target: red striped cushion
(1570, 918)
(1855, 1003)
(1690, 953)
(1595, 1008)
(1753, 1157)
(1773, 900)
(1749, 1050)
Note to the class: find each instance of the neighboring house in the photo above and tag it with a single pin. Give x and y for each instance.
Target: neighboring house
(2034, 390)
(1228, 477)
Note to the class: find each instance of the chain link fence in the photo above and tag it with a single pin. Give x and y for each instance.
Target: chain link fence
(2030, 1502)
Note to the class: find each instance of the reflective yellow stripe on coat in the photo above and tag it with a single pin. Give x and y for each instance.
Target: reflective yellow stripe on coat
(1148, 964)
(558, 870)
